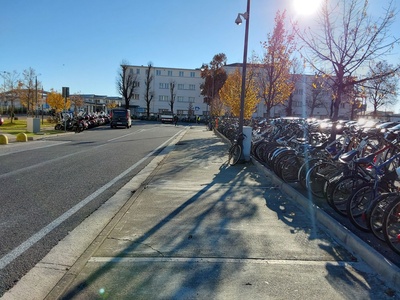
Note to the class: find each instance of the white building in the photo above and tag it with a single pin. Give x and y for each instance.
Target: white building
(300, 99)
(186, 92)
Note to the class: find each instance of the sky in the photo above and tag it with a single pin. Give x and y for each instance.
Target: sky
(81, 43)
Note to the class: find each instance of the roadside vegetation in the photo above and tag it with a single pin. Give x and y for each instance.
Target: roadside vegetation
(19, 125)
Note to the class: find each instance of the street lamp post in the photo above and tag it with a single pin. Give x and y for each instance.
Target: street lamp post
(238, 21)
(36, 97)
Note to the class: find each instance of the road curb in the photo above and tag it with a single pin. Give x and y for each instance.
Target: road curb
(49, 278)
(386, 269)
(136, 185)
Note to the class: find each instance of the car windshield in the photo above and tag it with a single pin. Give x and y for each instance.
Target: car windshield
(119, 113)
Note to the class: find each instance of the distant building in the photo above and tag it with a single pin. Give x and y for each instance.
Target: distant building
(186, 92)
(99, 103)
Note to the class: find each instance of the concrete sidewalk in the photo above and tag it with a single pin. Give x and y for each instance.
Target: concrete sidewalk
(200, 229)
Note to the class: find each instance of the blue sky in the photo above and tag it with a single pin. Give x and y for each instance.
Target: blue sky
(80, 43)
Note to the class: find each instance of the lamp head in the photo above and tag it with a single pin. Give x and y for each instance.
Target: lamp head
(238, 20)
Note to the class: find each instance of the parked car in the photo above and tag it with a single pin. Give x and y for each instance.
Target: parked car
(120, 117)
(1, 120)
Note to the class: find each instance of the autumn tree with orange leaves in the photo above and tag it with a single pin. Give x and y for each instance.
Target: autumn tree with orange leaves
(274, 78)
(56, 101)
(231, 90)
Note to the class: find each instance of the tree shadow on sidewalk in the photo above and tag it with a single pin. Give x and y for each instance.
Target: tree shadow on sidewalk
(201, 235)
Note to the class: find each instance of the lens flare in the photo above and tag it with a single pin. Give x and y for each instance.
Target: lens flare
(306, 7)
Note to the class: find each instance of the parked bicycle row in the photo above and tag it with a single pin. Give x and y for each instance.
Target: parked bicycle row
(357, 174)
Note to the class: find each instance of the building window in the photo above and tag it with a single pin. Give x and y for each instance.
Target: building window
(298, 92)
(163, 98)
(136, 84)
(180, 112)
(192, 87)
(297, 104)
(181, 86)
(192, 99)
(164, 85)
(137, 71)
(181, 74)
(135, 96)
(158, 72)
(169, 73)
(192, 74)
(180, 99)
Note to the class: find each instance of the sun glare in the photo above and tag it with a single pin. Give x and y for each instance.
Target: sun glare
(306, 7)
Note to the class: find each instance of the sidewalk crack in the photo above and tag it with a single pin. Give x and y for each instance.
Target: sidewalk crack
(139, 243)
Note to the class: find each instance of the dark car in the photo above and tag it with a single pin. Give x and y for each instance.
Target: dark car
(120, 117)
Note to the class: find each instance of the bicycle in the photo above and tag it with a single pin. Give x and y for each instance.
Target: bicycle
(382, 176)
(391, 225)
(236, 149)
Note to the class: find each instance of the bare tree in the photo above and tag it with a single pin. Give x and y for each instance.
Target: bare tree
(317, 93)
(190, 110)
(149, 94)
(381, 91)
(172, 95)
(29, 89)
(12, 84)
(347, 39)
(126, 83)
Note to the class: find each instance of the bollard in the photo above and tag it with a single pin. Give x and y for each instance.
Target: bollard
(3, 139)
(247, 131)
(22, 137)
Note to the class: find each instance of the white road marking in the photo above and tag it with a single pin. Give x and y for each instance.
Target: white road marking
(51, 161)
(13, 254)
(18, 147)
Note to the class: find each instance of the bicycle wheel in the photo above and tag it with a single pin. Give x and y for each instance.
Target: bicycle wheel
(304, 168)
(342, 171)
(391, 225)
(290, 169)
(280, 159)
(317, 177)
(266, 150)
(235, 152)
(376, 212)
(358, 204)
(273, 155)
(258, 149)
(341, 192)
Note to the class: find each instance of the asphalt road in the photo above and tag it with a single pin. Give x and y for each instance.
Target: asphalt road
(48, 187)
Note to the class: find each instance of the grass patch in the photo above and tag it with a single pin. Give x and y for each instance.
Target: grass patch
(20, 125)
